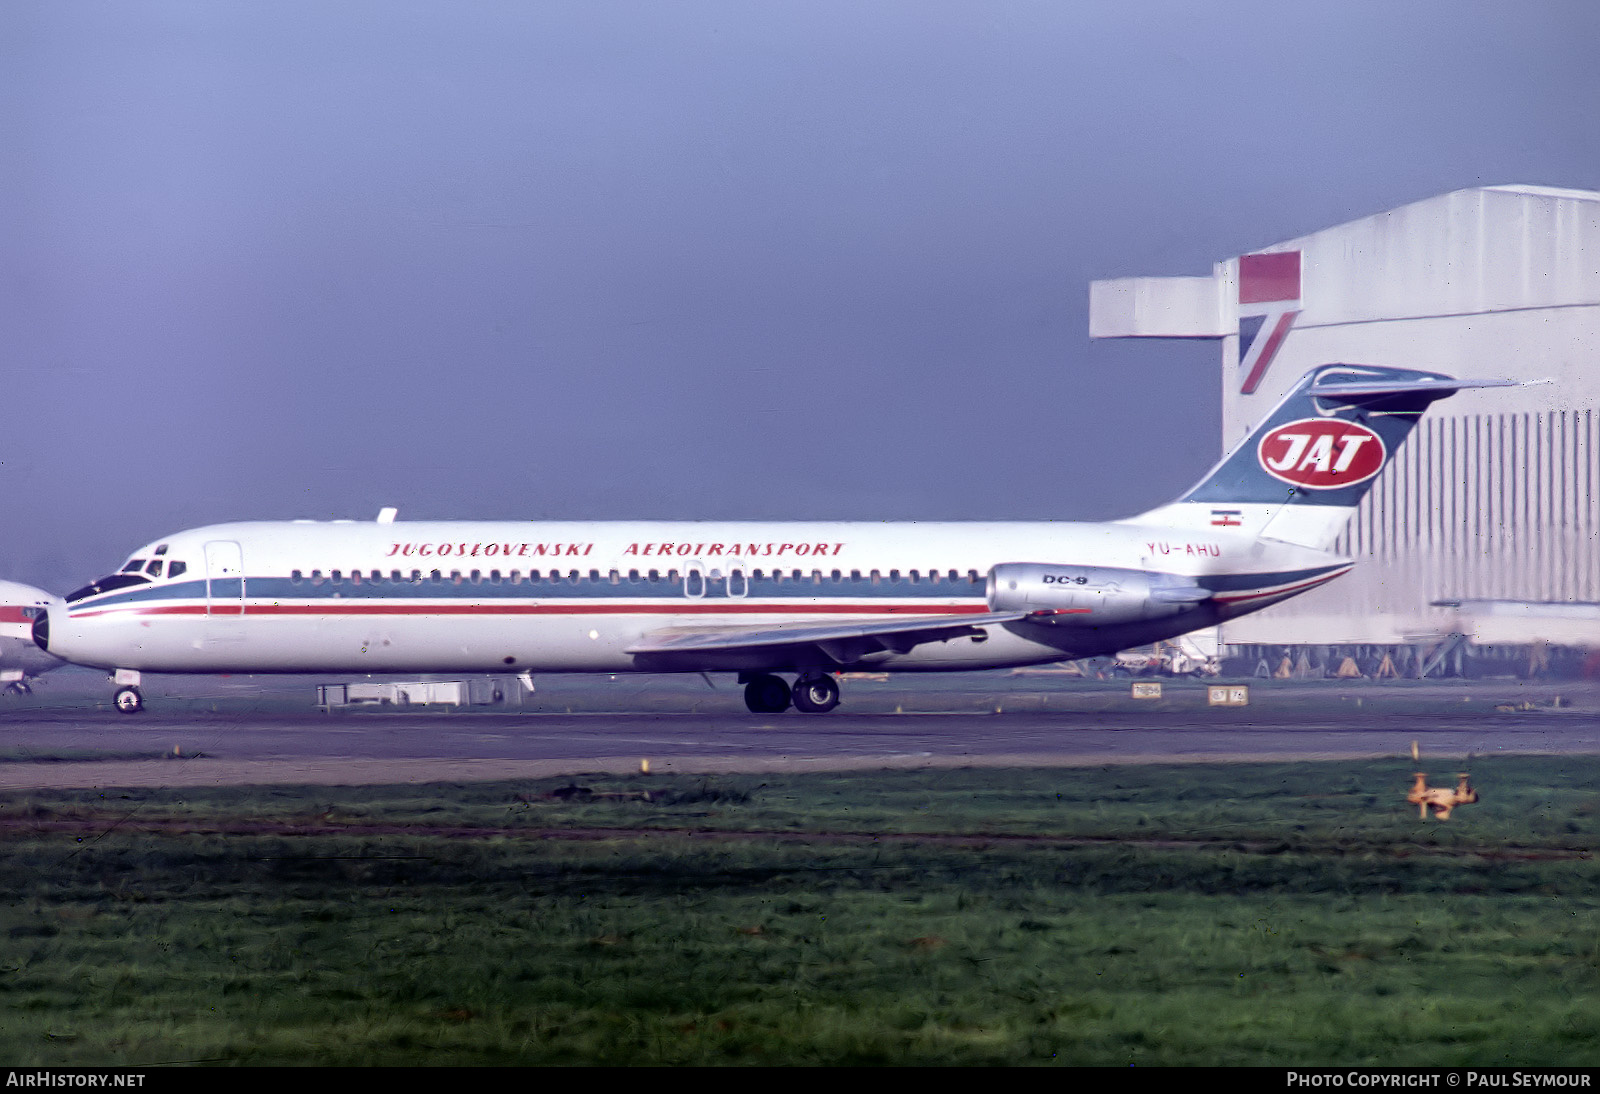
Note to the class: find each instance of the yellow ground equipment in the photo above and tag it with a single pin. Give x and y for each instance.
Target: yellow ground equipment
(1441, 799)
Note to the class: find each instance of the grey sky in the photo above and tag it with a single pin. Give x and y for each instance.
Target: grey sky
(689, 259)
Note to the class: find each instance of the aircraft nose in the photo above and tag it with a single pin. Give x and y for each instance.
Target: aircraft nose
(41, 630)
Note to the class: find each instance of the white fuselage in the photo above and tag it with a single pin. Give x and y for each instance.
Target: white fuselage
(514, 597)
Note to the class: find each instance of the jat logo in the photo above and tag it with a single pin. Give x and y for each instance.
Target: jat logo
(1321, 453)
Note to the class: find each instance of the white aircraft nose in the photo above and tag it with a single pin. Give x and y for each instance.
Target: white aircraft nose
(41, 630)
(22, 609)
(50, 609)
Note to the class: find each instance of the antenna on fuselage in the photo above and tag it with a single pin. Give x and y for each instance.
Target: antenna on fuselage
(387, 514)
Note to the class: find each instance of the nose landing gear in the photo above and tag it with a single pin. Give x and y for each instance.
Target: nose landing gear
(127, 698)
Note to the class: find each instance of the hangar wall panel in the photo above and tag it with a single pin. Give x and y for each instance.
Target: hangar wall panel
(1156, 307)
(1494, 498)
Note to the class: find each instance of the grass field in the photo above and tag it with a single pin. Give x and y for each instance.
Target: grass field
(1238, 914)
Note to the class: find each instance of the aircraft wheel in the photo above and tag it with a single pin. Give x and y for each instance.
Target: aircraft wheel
(128, 700)
(767, 695)
(815, 694)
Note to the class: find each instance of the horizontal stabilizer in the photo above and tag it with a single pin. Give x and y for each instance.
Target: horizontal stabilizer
(1354, 392)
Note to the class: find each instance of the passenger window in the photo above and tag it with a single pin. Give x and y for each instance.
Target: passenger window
(455, 577)
(477, 577)
(435, 576)
(316, 577)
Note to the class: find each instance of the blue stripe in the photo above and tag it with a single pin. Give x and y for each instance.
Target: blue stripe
(1234, 583)
(767, 588)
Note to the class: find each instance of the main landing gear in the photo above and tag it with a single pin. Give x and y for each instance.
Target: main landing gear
(813, 693)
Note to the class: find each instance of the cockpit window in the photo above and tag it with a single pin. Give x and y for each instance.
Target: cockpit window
(133, 566)
(174, 568)
(154, 568)
(161, 550)
(106, 585)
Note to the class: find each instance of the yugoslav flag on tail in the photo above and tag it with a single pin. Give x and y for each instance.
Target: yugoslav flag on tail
(1303, 470)
(1269, 300)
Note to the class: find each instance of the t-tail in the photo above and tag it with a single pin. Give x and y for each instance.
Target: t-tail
(1302, 471)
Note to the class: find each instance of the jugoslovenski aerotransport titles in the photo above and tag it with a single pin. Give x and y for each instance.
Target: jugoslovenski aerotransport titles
(756, 599)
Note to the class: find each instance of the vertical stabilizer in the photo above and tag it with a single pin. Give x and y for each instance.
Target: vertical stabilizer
(1302, 471)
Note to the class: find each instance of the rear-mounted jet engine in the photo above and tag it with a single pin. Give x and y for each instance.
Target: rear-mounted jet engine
(1091, 596)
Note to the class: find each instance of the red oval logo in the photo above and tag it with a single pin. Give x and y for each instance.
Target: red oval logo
(1321, 453)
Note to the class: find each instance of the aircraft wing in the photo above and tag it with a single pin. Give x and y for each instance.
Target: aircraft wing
(845, 642)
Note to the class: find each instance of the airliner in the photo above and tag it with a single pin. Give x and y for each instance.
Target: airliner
(766, 601)
(21, 659)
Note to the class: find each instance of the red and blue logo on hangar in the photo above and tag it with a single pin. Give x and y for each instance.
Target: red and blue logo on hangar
(1269, 300)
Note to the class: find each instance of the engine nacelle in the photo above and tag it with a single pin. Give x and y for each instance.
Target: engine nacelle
(1091, 596)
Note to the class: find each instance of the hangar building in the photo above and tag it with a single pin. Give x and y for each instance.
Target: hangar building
(1487, 525)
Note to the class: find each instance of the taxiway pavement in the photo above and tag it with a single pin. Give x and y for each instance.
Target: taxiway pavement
(64, 747)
